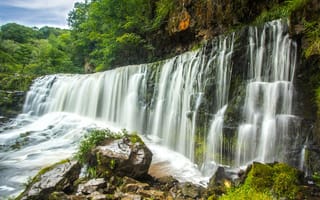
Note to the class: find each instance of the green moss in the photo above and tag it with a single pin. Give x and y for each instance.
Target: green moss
(200, 148)
(36, 178)
(316, 178)
(110, 196)
(268, 182)
(260, 177)
(245, 194)
(46, 169)
(92, 172)
(112, 164)
(133, 137)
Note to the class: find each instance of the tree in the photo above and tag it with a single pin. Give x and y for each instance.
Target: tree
(17, 33)
(111, 32)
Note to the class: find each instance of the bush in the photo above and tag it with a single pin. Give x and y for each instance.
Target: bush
(92, 139)
(280, 11)
(312, 31)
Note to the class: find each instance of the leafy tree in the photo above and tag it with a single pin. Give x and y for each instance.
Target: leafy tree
(111, 32)
(17, 33)
(35, 51)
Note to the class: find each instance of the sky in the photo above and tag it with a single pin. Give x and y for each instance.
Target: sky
(37, 13)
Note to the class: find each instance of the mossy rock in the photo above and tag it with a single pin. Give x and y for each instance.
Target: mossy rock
(124, 156)
(269, 181)
(55, 178)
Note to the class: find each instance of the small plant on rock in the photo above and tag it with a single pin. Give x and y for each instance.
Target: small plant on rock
(92, 139)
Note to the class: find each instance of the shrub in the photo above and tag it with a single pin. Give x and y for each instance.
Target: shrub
(92, 139)
(280, 10)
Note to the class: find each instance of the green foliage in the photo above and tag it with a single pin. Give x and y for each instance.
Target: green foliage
(316, 178)
(18, 33)
(92, 139)
(15, 82)
(163, 9)
(108, 33)
(112, 164)
(92, 172)
(280, 10)
(35, 51)
(266, 182)
(133, 137)
(312, 31)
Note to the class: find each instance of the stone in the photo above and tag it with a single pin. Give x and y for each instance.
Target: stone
(127, 196)
(167, 182)
(219, 182)
(128, 156)
(56, 178)
(134, 187)
(190, 190)
(97, 196)
(219, 177)
(58, 196)
(91, 186)
(77, 197)
(153, 194)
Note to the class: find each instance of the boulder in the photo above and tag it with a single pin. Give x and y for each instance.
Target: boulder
(191, 191)
(127, 156)
(219, 182)
(56, 178)
(152, 194)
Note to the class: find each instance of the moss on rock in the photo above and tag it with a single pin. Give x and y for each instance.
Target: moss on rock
(268, 181)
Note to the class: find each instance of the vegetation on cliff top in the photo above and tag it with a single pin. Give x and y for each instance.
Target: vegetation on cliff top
(106, 33)
(41, 51)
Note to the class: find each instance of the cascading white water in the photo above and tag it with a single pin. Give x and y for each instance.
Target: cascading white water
(223, 70)
(269, 92)
(115, 96)
(111, 97)
(164, 101)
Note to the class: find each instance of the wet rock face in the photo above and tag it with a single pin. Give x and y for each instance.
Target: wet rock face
(220, 182)
(128, 156)
(58, 177)
(11, 103)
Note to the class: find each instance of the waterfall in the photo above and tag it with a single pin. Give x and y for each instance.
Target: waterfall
(223, 68)
(268, 102)
(181, 103)
(168, 109)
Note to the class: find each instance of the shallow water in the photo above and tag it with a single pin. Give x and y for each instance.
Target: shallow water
(36, 142)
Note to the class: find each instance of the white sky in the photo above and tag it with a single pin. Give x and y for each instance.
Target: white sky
(36, 12)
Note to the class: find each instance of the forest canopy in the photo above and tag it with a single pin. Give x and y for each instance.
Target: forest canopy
(35, 51)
